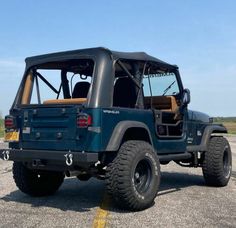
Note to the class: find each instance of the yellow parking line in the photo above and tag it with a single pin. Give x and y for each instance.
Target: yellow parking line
(100, 219)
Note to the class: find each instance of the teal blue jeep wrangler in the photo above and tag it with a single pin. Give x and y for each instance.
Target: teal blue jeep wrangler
(111, 115)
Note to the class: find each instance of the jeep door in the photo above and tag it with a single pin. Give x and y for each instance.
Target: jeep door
(163, 92)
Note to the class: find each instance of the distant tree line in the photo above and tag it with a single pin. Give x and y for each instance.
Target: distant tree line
(224, 119)
(1, 120)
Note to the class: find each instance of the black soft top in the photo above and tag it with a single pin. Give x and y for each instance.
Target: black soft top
(93, 53)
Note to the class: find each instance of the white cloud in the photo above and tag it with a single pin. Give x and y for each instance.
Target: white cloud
(11, 63)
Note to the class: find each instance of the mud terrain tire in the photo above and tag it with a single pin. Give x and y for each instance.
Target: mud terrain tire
(217, 164)
(133, 177)
(35, 182)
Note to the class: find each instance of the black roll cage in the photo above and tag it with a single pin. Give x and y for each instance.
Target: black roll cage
(37, 75)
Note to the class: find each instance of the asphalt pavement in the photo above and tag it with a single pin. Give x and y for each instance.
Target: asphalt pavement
(183, 201)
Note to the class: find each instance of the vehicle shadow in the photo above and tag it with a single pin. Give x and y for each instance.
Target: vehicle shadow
(172, 182)
(73, 195)
(80, 196)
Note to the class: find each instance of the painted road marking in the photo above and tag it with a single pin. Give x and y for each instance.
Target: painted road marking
(100, 220)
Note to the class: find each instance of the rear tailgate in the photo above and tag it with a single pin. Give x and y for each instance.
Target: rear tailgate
(49, 128)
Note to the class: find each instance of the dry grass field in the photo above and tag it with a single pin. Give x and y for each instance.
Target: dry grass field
(229, 123)
(231, 126)
(1, 128)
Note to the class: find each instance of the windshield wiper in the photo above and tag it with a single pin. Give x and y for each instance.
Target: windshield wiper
(166, 90)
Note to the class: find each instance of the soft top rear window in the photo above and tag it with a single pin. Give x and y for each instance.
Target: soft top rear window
(58, 82)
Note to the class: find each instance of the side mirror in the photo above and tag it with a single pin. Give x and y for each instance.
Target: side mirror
(186, 97)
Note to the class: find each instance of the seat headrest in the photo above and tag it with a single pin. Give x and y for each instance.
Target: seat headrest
(81, 90)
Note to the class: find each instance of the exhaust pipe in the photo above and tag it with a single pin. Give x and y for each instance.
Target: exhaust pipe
(74, 173)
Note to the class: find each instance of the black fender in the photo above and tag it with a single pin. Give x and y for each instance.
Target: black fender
(209, 130)
(119, 131)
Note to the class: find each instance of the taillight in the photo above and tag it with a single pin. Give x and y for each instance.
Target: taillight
(84, 120)
(9, 122)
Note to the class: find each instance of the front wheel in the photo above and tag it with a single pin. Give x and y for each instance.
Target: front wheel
(133, 177)
(36, 182)
(217, 164)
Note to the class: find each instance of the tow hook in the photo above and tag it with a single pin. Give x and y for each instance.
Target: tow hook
(6, 155)
(69, 159)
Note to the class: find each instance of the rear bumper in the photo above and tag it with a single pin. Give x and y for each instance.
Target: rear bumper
(47, 158)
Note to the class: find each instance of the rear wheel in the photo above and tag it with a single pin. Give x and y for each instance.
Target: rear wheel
(217, 164)
(36, 182)
(133, 177)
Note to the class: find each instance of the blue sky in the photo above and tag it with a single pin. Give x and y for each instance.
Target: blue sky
(197, 35)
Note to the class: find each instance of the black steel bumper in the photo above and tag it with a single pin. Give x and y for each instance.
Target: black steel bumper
(44, 158)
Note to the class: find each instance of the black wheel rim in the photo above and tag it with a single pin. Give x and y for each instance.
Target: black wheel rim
(226, 163)
(142, 176)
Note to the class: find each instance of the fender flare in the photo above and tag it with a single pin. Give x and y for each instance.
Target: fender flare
(119, 131)
(209, 130)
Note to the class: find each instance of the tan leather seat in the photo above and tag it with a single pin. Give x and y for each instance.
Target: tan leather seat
(66, 101)
(164, 103)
